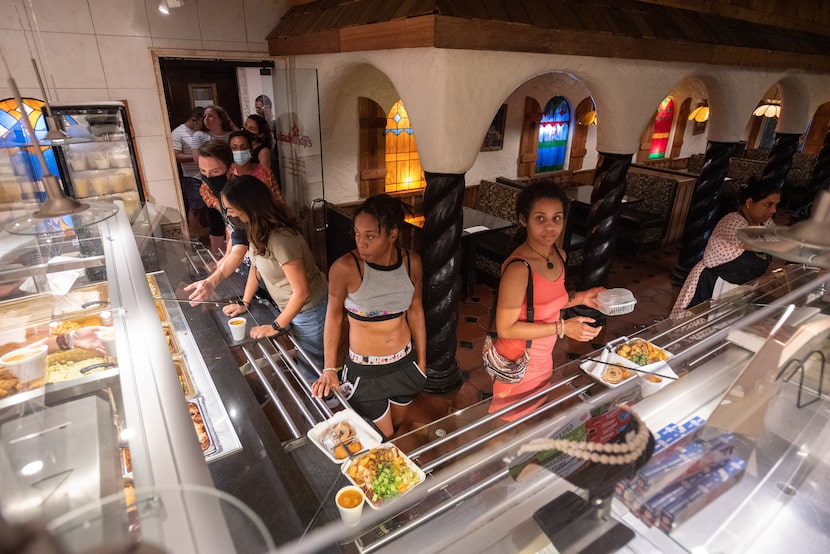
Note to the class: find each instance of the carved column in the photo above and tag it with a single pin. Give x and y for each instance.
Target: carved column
(702, 212)
(443, 199)
(606, 198)
(780, 158)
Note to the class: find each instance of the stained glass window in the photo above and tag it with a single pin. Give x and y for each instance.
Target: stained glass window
(403, 166)
(662, 129)
(553, 135)
(15, 140)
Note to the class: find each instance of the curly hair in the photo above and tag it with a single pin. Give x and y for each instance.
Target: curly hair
(529, 195)
(388, 210)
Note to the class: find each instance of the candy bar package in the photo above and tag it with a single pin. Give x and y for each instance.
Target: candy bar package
(712, 483)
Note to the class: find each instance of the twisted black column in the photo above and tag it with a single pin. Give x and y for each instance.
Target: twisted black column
(606, 198)
(704, 207)
(443, 198)
(780, 158)
(819, 180)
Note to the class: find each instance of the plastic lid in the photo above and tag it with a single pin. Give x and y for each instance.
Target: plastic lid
(616, 301)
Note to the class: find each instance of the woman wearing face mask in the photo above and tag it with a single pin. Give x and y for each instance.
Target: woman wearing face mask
(244, 163)
(215, 161)
(217, 125)
(263, 140)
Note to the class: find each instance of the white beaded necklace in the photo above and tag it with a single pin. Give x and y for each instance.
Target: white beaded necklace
(608, 454)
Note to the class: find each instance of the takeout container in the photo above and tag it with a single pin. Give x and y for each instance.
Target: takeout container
(27, 363)
(616, 301)
(368, 436)
(421, 476)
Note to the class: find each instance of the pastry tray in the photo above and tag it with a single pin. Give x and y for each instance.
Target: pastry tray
(368, 436)
(382, 504)
(213, 448)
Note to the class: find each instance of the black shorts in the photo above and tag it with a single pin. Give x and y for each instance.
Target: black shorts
(374, 387)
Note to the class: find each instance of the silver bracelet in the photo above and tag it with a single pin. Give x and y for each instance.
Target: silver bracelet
(561, 328)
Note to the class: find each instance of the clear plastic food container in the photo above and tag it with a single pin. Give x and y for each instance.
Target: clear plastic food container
(616, 301)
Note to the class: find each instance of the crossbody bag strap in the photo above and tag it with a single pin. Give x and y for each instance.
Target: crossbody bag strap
(528, 293)
(529, 310)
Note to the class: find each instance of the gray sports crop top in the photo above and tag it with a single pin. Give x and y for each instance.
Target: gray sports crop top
(384, 292)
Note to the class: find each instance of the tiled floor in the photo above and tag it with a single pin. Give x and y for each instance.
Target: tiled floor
(646, 275)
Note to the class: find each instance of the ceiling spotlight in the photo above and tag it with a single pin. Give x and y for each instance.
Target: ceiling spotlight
(164, 8)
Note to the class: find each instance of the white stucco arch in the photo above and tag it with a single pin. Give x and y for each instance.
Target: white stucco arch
(451, 96)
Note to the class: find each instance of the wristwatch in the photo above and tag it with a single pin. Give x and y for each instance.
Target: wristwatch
(276, 326)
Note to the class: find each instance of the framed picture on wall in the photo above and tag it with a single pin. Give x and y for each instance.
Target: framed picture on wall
(202, 94)
(494, 139)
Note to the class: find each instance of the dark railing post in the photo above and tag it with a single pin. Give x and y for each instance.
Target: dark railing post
(606, 199)
(443, 199)
(700, 220)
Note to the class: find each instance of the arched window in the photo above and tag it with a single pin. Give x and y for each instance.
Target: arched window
(403, 166)
(13, 135)
(553, 135)
(662, 129)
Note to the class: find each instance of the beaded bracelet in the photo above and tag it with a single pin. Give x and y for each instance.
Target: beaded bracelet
(561, 328)
(603, 453)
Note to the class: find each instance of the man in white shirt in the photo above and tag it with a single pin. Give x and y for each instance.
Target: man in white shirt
(191, 179)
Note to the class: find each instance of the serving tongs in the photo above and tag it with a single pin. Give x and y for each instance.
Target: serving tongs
(89, 368)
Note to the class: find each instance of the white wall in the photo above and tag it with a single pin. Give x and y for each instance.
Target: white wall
(100, 50)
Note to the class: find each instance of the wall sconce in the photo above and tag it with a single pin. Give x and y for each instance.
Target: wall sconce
(768, 108)
(700, 114)
(590, 118)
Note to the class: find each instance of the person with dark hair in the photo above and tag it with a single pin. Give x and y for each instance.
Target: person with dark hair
(378, 285)
(181, 137)
(541, 209)
(264, 107)
(280, 255)
(263, 141)
(244, 163)
(216, 125)
(215, 161)
(726, 260)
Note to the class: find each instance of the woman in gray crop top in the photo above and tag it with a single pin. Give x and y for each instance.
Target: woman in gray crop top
(378, 285)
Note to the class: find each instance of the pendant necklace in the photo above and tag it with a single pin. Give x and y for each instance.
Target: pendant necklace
(547, 258)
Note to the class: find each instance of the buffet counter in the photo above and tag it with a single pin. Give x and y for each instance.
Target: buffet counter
(260, 472)
(480, 496)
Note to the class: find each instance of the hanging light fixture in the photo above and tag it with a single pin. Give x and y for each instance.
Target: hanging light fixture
(700, 114)
(57, 204)
(589, 118)
(768, 108)
(806, 242)
(55, 134)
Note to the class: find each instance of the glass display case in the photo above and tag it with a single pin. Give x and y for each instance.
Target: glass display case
(97, 434)
(105, 166)
(751, 365)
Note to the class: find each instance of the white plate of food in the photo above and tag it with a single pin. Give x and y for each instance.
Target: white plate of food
(612, 367)
(384, 474)
(342, 435)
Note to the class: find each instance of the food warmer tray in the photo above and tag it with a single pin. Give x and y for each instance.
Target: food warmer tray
(217, 422)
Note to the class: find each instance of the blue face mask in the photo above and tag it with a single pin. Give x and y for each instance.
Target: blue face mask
(241, 157)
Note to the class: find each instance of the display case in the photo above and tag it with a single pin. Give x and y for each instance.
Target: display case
(96, 436)
(105, 165)
(751, 365)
